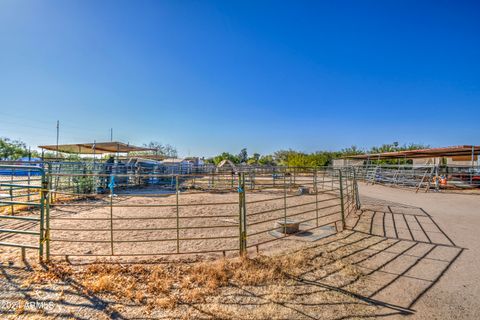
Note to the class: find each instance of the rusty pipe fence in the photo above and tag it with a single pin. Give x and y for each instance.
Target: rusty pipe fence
(102, 215)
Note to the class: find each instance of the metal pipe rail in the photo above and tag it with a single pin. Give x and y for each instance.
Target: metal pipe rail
(25, 193)
(174, 213)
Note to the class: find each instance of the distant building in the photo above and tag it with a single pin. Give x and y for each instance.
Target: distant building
(196, 161)
(177, 166)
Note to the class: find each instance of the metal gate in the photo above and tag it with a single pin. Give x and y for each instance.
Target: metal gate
(24, 208)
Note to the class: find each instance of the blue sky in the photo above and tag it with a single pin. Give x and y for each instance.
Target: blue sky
(213, 76)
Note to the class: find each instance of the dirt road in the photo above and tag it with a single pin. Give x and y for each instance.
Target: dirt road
(456, 294)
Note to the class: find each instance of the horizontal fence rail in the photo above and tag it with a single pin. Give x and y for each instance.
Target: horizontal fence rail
(446, 177)
(23, 189)
(91, 214)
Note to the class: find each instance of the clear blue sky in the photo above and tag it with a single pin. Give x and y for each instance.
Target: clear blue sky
(212, 76)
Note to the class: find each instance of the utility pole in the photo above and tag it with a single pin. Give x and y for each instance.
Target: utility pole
(58, 133)
(111, 134)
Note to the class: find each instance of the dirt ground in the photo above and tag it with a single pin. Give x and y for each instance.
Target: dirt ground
(404, 255)
(456, 294)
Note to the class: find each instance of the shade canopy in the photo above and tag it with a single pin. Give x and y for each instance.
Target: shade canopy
(95, 148)
(422, 153)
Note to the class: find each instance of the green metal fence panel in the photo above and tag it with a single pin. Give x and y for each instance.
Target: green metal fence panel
(182, 214)
(23, 208)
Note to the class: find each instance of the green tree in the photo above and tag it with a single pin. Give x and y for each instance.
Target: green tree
(158, 149)
(254, 158)
(281, 156)
(267, 160)
(12, 149)
(351, 151)
(243, 155)
(224, 156)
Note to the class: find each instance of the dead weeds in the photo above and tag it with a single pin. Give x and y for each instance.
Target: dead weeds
(169, 285)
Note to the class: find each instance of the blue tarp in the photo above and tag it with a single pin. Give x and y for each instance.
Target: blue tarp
(33, 162)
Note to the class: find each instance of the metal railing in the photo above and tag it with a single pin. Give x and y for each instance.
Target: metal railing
(158, 214)
(447, 177)
(24, 209)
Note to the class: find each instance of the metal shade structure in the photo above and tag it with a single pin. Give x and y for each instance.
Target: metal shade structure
(456, 151)
(95, 148)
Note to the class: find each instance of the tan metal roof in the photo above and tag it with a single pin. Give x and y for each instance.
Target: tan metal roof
(98, 148)
(421, 153)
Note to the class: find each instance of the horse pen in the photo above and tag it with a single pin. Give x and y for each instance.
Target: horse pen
(81, 214)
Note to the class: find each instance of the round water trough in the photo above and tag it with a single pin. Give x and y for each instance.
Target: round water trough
(287, 226)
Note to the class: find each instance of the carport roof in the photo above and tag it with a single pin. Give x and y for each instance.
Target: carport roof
(98, 148)
(421, 153)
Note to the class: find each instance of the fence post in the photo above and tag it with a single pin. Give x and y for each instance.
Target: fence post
(50, 183)
(285, 202)
(44, 186)
(12, 209)
(47, 213)
(244, 218)
(111, 186)
(315, 188)
(323, 179)
(28, 189)
(177, 214)
(331, 179)
(355, 189)
(342, 206)
(242, 214)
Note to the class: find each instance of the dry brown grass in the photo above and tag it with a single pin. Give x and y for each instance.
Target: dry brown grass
(173, 286)
(166, 285)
